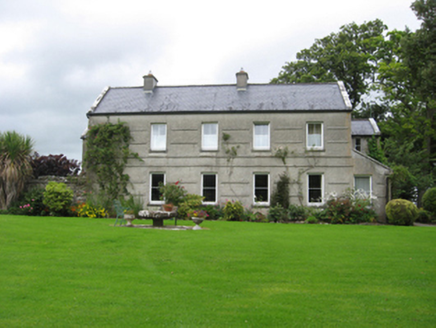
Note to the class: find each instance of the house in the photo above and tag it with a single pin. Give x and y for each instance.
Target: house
(234, 141)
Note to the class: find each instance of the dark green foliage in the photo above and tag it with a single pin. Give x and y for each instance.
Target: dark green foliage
(281, 194)
(55, 165)
(58, 198)
(134, 203)
(297, 212)
(107, 152)
(403, 183)
(278, 214)
(401, 212)
(424, 216)
(429, 201)
(375, 151)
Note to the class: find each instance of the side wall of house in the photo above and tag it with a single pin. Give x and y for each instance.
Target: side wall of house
(183, 160)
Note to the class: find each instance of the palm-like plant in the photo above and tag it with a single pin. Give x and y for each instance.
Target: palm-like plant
(15, 167)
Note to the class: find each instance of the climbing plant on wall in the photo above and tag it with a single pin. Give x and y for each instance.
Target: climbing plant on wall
(107, 152)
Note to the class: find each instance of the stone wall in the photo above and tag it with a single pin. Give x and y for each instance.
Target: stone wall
(77, 184)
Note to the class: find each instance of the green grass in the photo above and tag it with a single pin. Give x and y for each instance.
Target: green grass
(77, 272)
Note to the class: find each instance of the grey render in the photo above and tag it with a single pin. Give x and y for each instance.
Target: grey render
(236, 108)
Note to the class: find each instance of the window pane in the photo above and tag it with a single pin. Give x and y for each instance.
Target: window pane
(209, 188)
(209, 180)
(158, 137)
(314, 135)
(210, 136)
(362, 183)
(156, 179)
(261, 136)
(315, 188)
(261, 186)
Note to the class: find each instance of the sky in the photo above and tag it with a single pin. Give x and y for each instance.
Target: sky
(56, 56)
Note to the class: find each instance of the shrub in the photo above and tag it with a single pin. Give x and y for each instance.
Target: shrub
(189, 203)
(423, 216)
(233, 211)
(277, 214)
(429, 201)
(401, 212)
(311, 220)
(135, 203)
(352, 207)
(57, 198)
(297, 213)
(281, 194)
(31, 202)
(215, 212)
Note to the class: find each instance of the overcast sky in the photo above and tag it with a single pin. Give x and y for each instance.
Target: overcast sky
(57, 56)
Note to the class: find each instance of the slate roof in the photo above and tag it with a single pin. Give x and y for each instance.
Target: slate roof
(218, 98)
(364, 127)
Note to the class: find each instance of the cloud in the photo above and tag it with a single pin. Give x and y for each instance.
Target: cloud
(58, 55)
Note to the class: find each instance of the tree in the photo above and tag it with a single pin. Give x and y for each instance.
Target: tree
(57, 165)
(407, 80)
(15, 168)
(351, 55)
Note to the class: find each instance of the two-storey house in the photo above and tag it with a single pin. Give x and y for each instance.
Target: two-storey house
(232, 142)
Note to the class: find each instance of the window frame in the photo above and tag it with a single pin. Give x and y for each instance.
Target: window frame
(255, 147)
(153, 138)
(321, 202)
(309, 147)
(203, 188)
(160, 201)
(203, 147)
(261, 203)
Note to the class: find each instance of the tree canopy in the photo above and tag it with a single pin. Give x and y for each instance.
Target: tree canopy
(396, 69)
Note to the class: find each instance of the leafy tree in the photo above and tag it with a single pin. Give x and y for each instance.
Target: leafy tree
(407, 79)
(351, 55)
(15, 168)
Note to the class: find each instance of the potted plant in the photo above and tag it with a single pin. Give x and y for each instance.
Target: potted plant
(197, 216)
(172, 194)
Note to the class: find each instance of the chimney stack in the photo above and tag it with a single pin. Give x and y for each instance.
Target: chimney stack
(150, 83)
(241, 80)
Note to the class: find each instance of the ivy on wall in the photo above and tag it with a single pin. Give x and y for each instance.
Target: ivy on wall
(106, 155)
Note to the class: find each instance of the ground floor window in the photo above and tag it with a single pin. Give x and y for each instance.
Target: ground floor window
(209, 187)
(155, 180)
(261, 188)
(315, 189)
(363, 183)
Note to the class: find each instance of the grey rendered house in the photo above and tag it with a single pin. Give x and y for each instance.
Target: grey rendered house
(227, 142)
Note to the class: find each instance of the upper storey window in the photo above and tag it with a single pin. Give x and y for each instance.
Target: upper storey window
(261, 136)
(158, 137)
(209, 136)
(314, 137)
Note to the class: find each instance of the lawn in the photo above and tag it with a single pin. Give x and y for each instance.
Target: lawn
(77, 272)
